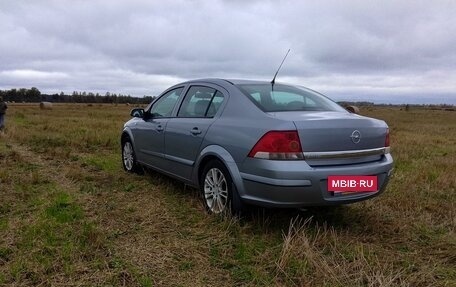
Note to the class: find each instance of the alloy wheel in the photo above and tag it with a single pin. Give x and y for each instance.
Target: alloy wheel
(216, 190)
(128, 156)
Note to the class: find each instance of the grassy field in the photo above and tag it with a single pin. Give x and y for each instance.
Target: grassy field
(69, 214)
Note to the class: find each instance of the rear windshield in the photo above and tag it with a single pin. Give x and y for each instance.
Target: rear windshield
(282, 98)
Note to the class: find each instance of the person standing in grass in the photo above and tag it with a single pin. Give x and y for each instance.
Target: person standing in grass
(3, 107)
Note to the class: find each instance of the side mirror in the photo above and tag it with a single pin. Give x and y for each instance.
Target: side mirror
(352, 109)
(137, 113)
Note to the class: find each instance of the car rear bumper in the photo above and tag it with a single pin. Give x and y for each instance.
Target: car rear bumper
(296, 184)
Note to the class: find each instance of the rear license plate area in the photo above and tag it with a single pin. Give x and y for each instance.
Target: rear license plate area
(341, 185)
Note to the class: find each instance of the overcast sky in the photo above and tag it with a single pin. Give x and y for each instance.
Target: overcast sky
(381, 51)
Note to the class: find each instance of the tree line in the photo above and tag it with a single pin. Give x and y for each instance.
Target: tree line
(33, 95)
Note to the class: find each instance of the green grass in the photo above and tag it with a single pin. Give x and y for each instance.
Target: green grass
(69, 214)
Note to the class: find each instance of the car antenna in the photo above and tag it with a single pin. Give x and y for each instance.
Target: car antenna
(273, 79)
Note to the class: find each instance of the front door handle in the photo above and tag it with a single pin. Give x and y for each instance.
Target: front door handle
(159, 128)
(195, 131)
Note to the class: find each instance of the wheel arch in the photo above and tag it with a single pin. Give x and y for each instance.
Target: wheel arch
(215, 152)
(126, 134)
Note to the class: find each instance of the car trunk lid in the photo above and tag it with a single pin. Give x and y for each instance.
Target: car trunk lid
(338, 137)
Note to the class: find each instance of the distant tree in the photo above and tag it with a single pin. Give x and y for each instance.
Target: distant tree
(33, 95)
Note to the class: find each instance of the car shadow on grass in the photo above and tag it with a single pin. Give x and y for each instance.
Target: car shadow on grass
(353, 219)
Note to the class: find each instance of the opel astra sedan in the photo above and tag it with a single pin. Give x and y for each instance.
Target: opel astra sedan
(252, 142)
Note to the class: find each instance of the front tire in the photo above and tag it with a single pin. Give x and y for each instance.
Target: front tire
(129, 162)
(219, 193)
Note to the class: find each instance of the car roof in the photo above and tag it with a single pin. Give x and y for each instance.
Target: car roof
(240, 82)
(231, 81)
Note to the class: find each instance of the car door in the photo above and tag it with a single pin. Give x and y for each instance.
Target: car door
(149, 132)
(185, 133)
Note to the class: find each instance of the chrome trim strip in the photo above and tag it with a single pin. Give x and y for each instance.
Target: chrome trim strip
(274, 181)
(346, 153)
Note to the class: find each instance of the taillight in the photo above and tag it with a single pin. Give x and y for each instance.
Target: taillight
(387, 139)
(279, 145)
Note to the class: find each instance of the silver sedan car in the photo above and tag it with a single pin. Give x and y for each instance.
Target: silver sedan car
(255, 142)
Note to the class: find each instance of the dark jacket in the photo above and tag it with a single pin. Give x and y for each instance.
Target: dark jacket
(3, 107)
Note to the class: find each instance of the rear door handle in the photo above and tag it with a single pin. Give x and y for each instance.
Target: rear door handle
(195, 131)
(159, 128)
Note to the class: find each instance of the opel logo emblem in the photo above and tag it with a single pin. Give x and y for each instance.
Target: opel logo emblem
(356, 136)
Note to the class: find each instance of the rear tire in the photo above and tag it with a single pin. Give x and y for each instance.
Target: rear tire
(129, 162)
(219, 192)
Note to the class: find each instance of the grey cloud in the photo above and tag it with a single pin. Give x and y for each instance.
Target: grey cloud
(350, 48)
(377, 36)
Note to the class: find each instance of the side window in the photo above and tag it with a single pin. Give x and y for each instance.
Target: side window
(217, 101)
(196, 102)
(164, 106)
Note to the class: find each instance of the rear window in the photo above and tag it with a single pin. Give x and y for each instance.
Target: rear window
(282, 98)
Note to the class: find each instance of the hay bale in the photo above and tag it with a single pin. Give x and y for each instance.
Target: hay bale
(352, 109)
(46, 105)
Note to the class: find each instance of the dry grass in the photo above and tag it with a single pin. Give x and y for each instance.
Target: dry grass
(69, 214)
